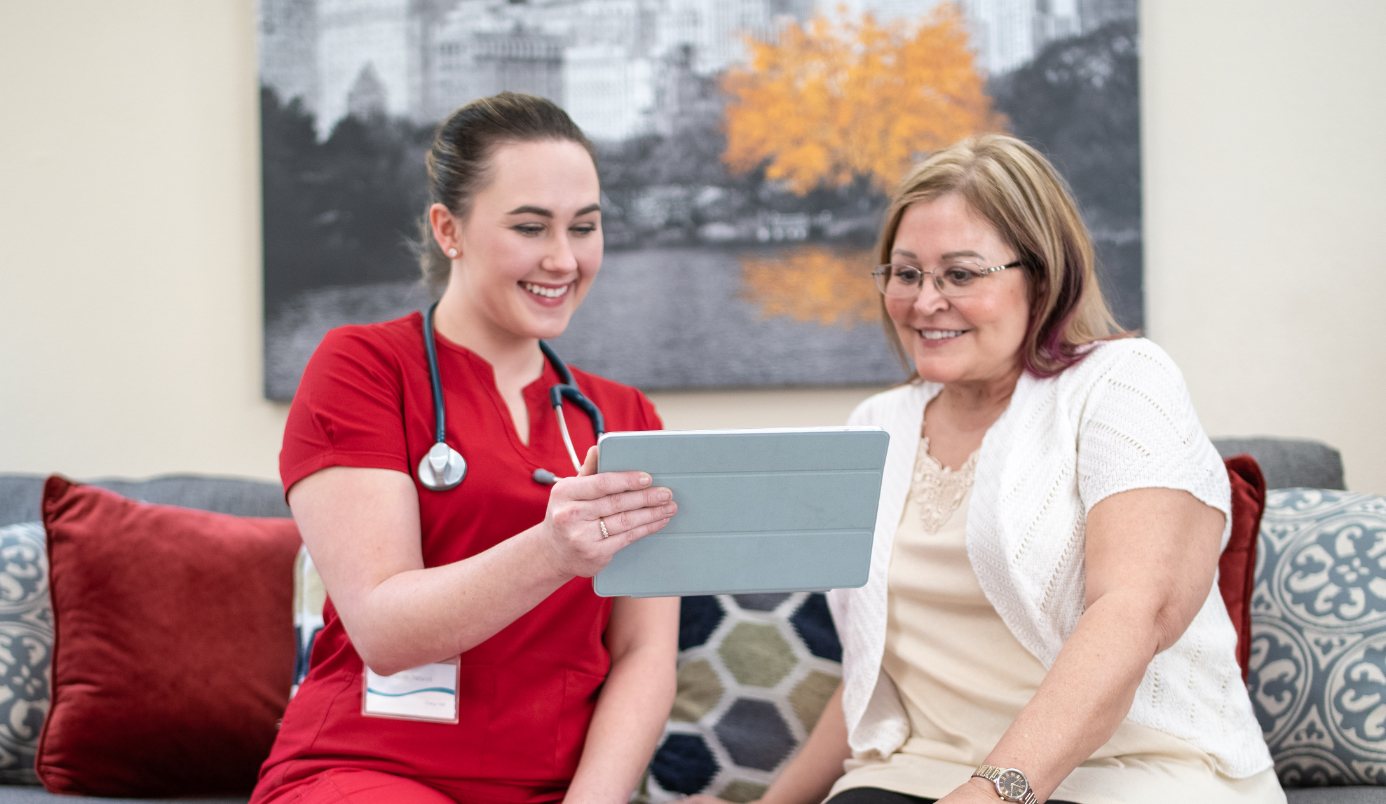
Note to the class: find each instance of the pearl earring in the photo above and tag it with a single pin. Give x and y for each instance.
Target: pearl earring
(452, 252)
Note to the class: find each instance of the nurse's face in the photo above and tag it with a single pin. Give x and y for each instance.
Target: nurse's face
(531, 245)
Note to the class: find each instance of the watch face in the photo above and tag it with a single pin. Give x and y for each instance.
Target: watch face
(1012, 784)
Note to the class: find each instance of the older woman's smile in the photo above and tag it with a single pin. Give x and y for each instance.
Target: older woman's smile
(940, 334)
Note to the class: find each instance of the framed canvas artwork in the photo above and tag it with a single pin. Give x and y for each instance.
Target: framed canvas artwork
(746, 149)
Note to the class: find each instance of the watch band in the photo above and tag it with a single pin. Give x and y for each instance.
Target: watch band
(1006, 781)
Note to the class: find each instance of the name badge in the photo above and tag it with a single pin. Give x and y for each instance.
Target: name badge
(427, 692)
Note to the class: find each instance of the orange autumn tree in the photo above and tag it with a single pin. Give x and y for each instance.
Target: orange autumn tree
(836, 99)
(814, 283)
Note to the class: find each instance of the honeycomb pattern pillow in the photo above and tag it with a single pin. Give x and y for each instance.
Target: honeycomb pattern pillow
(26, 648)
(1318, 651)
(755, 672)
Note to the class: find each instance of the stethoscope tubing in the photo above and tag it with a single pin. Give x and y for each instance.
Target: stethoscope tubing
(440, 425)
(438, 478)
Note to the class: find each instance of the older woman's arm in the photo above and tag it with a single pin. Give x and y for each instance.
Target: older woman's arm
(635, 700)
(1150, 560)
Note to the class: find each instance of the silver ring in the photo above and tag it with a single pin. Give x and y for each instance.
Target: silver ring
(601, 523)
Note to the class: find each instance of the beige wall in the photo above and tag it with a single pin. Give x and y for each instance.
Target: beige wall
(129, 255)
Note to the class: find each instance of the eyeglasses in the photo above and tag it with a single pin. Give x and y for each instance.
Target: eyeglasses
(953, 279)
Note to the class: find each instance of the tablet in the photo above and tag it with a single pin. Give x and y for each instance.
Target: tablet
(782, 510)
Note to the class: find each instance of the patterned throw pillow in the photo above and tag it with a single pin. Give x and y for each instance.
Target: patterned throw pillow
(309, 596)
(26, 648)
(755, 672)
(1318, 653)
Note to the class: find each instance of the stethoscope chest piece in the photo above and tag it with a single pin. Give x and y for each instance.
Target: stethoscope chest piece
(442, 468)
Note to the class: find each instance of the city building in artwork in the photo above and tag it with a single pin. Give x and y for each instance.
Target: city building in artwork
(621, 67)
(288, 50)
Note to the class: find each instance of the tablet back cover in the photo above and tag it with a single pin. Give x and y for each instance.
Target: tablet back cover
(759, 510)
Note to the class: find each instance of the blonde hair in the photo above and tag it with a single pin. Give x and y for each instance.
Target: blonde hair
(1017, 190)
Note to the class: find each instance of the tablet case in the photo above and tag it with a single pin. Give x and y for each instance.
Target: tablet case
(759, 510)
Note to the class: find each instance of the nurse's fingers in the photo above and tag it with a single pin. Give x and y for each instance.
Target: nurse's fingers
(647, 521)
(589, 463)
(613, 504)
(572, 515)
(633, 520)
(604, 484)
(581, 542)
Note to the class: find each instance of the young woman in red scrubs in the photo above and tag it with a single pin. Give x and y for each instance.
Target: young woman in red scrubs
(526, 686)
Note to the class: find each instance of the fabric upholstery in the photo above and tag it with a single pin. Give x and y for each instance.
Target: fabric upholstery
(20, 494)
(755, 672)
(1318, 657)
(1332, 795)
(1237, 565)
(26, 647)
(1289, 462)
(309, 597)
(174, 649)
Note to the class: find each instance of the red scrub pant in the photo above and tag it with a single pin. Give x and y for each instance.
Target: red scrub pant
(355, 785)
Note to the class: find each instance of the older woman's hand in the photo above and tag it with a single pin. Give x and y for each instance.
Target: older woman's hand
(592, 516)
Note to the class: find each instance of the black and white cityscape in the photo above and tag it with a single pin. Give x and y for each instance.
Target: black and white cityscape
(726, 266)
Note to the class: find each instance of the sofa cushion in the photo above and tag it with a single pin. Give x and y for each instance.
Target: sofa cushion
(1237, 565)
(1289, 462)
(26, 646)
(20, 494)
(174, 649)
(309, 598)
(1318, 657)
(755, 672)
(1336, 795)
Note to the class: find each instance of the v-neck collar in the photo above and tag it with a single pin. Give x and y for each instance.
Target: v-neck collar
(534, 393)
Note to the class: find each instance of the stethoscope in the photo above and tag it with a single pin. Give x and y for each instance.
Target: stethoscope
(443, 467)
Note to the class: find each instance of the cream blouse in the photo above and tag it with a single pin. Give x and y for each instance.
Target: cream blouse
(962, 678)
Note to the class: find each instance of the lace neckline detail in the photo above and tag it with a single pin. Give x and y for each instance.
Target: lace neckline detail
(937, 491)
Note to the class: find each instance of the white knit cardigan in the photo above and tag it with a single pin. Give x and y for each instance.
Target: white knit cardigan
(1121, 419)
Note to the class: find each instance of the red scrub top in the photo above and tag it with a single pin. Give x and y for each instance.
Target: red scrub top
(527, 694)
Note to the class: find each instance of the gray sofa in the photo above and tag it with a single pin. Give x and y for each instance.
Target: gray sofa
(1285, 463)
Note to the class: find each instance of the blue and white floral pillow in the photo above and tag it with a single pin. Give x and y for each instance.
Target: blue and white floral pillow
(26, 648)
(1318, 636)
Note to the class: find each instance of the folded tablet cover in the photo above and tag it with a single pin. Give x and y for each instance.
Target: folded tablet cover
(759, 510)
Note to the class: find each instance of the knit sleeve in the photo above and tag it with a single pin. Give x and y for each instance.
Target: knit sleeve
(1139, 430)
(839, 600)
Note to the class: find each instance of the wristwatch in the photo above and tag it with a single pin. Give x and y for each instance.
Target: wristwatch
(1010, 783)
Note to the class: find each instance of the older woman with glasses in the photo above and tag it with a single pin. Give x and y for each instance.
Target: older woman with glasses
(1041, 621)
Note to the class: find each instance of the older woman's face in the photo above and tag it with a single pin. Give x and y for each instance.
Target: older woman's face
(972, 339)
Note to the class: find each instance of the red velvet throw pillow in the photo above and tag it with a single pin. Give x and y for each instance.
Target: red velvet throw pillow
(1237, 567)
(174, 647)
